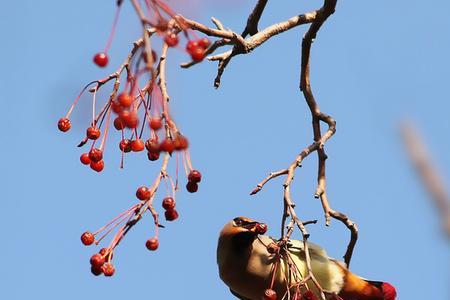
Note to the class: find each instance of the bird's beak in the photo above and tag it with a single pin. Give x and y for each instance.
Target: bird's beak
(251, 226)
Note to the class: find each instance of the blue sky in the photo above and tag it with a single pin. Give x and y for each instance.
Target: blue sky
(373, 65)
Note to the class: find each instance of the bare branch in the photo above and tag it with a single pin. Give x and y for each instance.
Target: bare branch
(253, 18)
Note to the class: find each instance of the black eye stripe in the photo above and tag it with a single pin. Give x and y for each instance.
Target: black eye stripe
(239, 222)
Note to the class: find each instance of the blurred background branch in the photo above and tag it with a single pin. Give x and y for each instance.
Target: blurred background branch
(428, 173)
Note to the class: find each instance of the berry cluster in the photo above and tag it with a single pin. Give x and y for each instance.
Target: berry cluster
(139, 112)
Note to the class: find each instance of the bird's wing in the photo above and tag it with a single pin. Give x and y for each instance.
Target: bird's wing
(238, 296)
(326, 270)
(315, 251)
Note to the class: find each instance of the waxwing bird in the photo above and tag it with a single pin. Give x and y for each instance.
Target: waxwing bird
(246, 266)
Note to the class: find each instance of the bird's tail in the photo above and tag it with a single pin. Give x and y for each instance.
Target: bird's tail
(356, 287)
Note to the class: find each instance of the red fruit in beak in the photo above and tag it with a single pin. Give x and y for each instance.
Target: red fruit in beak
(261, 228)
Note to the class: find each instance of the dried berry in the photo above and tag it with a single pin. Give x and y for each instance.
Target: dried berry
(87, 238)
(84, 158)
(101, 59)
(171, 214)
(192, 187)
(97, 166)
(143, 193)
(261, 228)
(108, 269)
(270, 294)
(95, 155)
(195, 176)
(64, 124)
(152, 244)
(168, 203)
(97, 260)
(125, 145)
(137, 145)
(93, 133)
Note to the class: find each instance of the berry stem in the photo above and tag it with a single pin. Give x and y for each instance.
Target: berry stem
(186, 169)
(115, 219)
(146, 115)
(177, 171)
(274, 272)
(113, 30)
(188, 160)
(106, 130)
(155, 218)
(93, 104)
(78, 98)
(120, 221)
(122, 151)
(102, 115)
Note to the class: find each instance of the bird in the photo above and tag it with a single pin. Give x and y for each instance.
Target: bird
(246, 260)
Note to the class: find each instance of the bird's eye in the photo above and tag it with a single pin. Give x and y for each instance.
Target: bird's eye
(238, 221)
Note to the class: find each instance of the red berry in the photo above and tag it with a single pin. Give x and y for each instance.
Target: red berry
(155, 123)
(137, 145)
(273, 248)
(118, 124)
(270, 294)
(171, 214)
(130, 119)
(97, 260)
(105, 252)
(180, 143)
(191, 46)
(108, 269)
(152, 244)
(204, 42)
(93, 133)
(96, 271)
(198, 54)
(152, 156)
(195, 176)
(84, 158)
(166, 146)
(101, 59)
(125, 145)
(168, 203)
(116, 107)
(96, 155)
(64, 124)
(261, 228)
(309, 295)
(97, 166)
(192, 187)
(125, 99)
(171, 39)
(87, 238)
(143, 193)
(152, 145)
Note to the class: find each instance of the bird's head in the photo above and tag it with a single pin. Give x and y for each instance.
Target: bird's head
(389, 291)
(243, 225)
